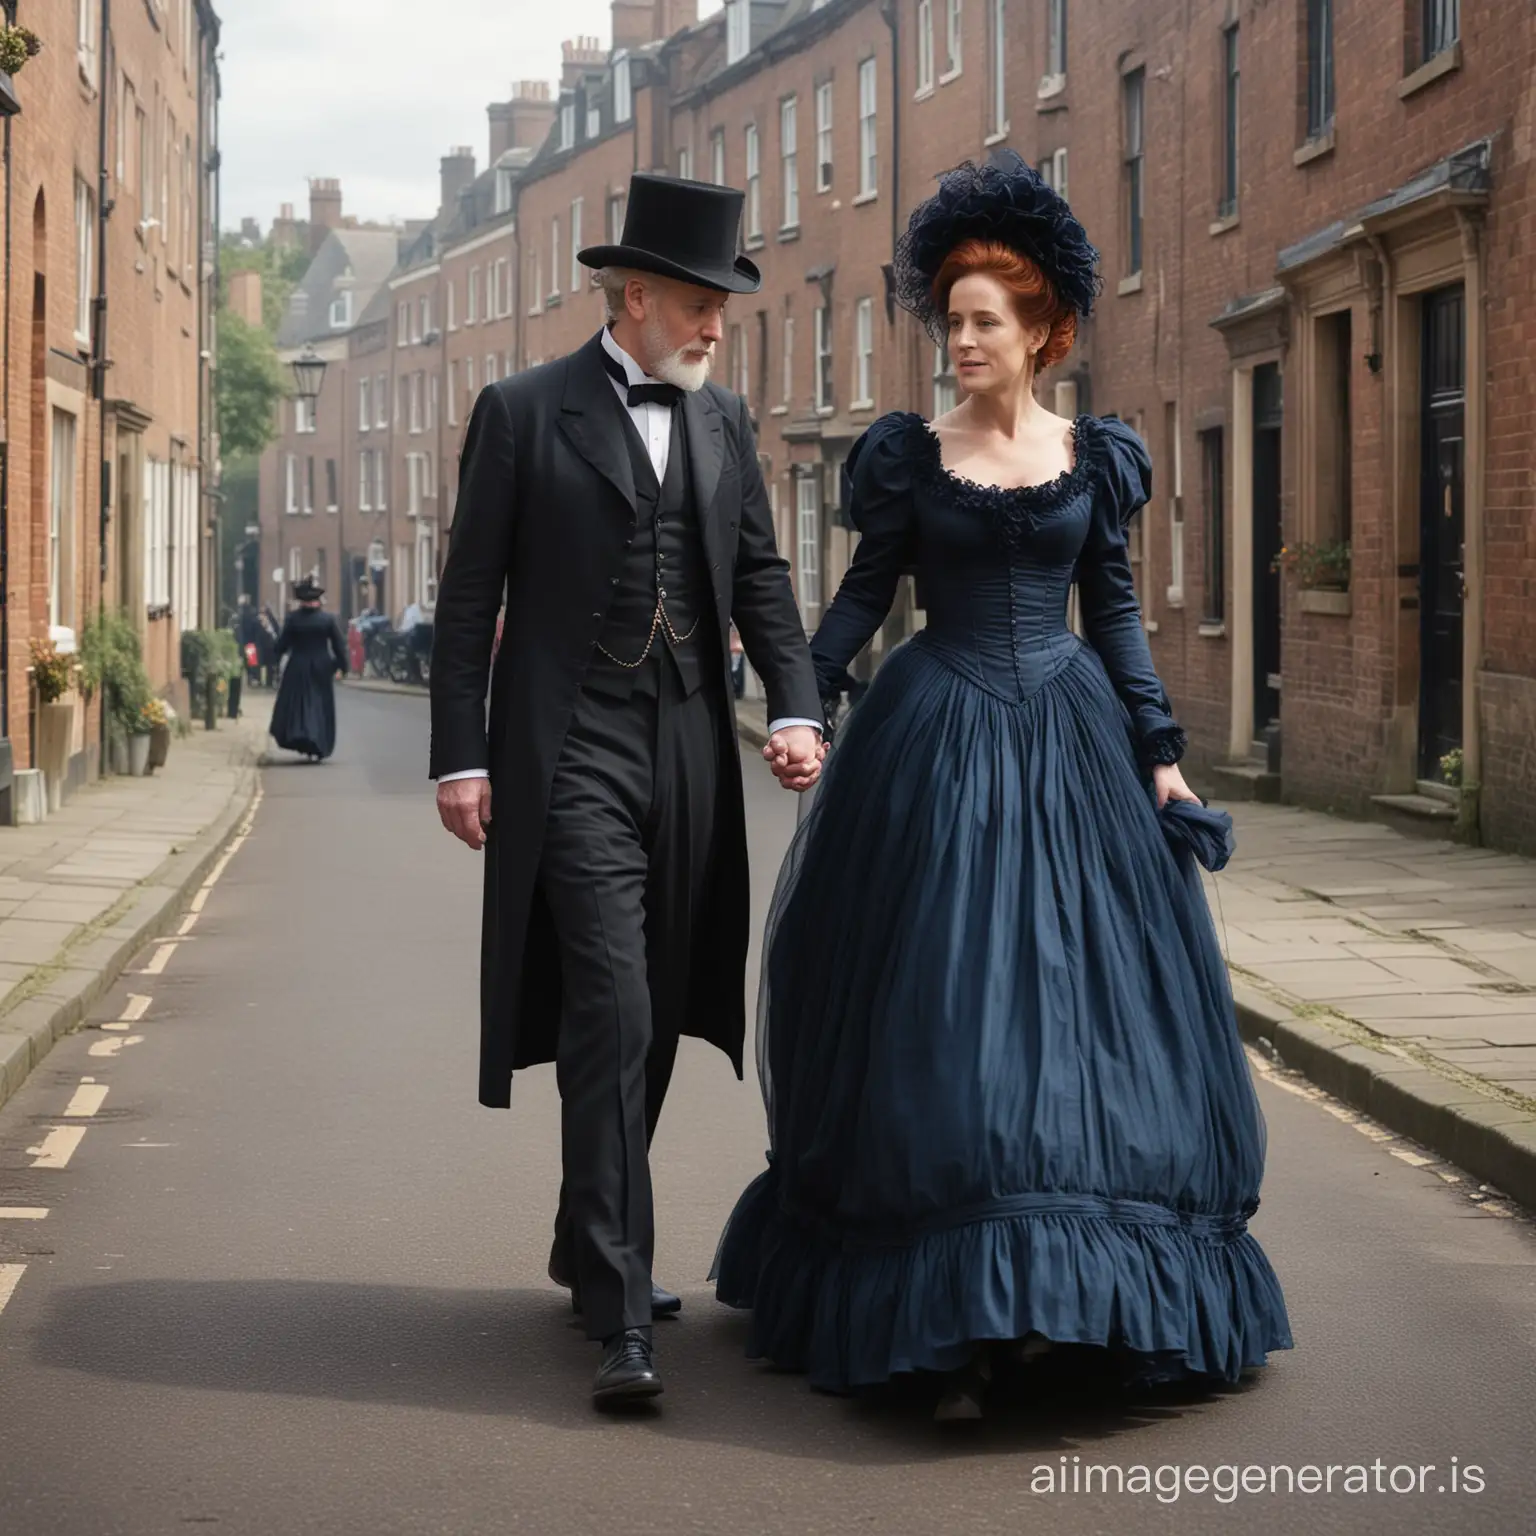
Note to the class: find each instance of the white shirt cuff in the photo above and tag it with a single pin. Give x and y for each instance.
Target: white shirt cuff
(779, 725)
(466, 773)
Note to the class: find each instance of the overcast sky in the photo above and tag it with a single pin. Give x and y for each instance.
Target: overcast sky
(374, 92)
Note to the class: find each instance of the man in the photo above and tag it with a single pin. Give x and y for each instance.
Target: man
(614, 499)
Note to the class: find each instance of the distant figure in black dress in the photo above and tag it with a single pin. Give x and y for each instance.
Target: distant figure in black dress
(304, 717)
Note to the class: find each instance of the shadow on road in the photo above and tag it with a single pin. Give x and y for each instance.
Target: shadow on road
(517, 1353)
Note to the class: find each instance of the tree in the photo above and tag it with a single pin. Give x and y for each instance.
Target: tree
(250, 384)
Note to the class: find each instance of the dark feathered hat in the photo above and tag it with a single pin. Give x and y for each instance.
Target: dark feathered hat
(1007, 201)
(307, 590)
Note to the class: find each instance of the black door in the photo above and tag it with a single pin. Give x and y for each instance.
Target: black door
(1442, 432)
(1266, 546)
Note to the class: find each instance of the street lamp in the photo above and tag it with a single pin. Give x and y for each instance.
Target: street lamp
(308, 374)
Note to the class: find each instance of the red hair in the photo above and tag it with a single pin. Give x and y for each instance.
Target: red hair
(1034, 295)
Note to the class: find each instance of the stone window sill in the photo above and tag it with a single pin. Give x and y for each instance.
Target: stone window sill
(923, 92)
(1213, 629)
(789, 232)
(861, 405)
(999, 137)
(1175, 597)
(1131, 284)
(1051, 85)
(754, 243)
(1338, 604)
(951, 75)
(1314, 149)
(779, 410)
(1445, 63)
(866, 197)
(1225, 222)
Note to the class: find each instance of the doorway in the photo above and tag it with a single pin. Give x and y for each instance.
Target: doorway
(1267, 412)
(1442, 434)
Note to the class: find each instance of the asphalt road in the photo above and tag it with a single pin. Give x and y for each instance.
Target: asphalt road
(291, 1278)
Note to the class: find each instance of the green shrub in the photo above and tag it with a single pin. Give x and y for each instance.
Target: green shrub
(110, 660)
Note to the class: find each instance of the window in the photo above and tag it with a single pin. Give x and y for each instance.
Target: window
(414, 395)
(434, 387)
(1229, 121)
(738, 30)
(741, 380)
(309, 485)
(414, 479)
(823, 339)
(554, 257)
(188, 222)
(717, 157)
(616, 208)
(364, 403)
(303, 415)
(380, 479)
(808, 540)
(295, 563)
(1053, 170)
(943, 382)
(788, 389)
(824, 136)
(505, 181)
(453, 308)
(472, 298)
(997, 45)
(623, 99)
(685, 164)
(331, 503)
(87, 36)
(61, 521)
(1212, 498)
(1319, 68)
(863, 354)
(754, 210)
(341, 311)
(1056, 39)
(924, 46)
(952, 39)
(141, 158)
(594, 120)
(760, 383)
(402, 322)
(453, 394)
(1133, 92)
(490, 368)
(1173, 453)
(567, 124)
(1333, 356)
(868, 159)
(125, 110)
(381, 401)
(1442, 26)
(419, 320)
(364, 480)
(789, 155)
(85, 246)
(576, 205)
(290, 483)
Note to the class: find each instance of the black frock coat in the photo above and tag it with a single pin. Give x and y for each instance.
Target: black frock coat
(546, 510)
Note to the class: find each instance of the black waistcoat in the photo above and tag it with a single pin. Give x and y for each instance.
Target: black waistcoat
(667, 556)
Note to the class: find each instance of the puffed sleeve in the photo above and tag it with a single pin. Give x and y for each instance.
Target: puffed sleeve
(877, 490)
(1110, 611)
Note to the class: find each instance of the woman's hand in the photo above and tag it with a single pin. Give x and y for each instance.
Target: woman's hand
(1170, 784)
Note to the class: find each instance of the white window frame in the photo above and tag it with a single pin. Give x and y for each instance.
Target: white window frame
(380, 481)
(997, 70)
(554, 258)
(808, 548)
(364, 472)
(788, 381)
(594, 120)
(824, 136)
(381, 400)
(307, 485)
(568, 124)
(954, 42)
(738, 30)
(685, 163)
(85, 259)
(822, 355)
(617, 206)
(472, 298)
(743, 382)
(418, 319)
(304, 414)
(752, 222)
(577, 205)
(63, 496)
(789, 157)
(453, 392)
(869, 137)
(1055, 45)
(502, 202)
(623, 90)
(87, 32)
(414, 394)
(452, 304)
(925, 48)
(365, 403)
(717, 156)
(863, 355)
(403, 323)
(341, 310)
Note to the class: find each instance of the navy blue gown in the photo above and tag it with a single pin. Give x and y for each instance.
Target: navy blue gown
(1004, 1084)
(304, 716)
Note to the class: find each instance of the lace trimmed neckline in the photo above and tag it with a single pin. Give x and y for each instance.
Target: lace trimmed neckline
(1015, 508)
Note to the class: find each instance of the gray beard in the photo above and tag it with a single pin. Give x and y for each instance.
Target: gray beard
(673, 367)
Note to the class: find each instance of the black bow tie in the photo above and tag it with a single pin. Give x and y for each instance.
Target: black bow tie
(640, 394)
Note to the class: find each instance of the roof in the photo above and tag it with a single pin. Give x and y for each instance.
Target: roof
(349, 260)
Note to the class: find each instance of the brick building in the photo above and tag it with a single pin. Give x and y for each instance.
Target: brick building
(109, 446)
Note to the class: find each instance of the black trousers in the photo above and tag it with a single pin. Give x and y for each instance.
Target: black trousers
(625, 869)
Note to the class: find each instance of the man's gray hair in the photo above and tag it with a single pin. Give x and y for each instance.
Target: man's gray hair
(613, 281)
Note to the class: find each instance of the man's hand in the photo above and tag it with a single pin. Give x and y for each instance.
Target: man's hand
(464, 806)
(795, 755)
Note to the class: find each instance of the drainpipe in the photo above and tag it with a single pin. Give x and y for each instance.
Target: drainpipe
(99, 363)
(1469, 820)
(5, 455)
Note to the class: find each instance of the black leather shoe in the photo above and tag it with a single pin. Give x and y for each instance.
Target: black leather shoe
(627, 1374)
(663, 1302)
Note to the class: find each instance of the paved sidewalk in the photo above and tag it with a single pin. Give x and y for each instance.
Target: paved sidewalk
(1397, 973)
(80, 893)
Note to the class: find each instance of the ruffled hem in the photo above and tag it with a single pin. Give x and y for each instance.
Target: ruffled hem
(1174, 1301)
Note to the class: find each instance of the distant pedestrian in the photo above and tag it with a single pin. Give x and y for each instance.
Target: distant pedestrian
(304, 717)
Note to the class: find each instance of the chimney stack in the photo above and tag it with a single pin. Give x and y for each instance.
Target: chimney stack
(582, 57)
(285, 228)
(324, 209)
(457, 172)
(245, 297)
(638, 22)
(524, 121)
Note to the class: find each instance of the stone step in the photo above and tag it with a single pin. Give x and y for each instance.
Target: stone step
(1417, 815)
(1247, 781)
(1433, 790)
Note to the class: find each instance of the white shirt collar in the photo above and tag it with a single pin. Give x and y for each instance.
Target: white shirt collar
(632, 370)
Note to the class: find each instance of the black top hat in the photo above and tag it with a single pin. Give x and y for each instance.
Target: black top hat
(307, 591)
(681, 229)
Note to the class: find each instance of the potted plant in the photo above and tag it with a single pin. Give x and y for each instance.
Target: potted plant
(1321, 567)
(17, 45)
(53, 674)
(155, 715)
(110, 660)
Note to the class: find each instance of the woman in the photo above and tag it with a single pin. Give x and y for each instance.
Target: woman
(1007, 1101)
(304, 717)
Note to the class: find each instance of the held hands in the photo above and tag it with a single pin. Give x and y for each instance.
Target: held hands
(464, 807)
(794, 754)
(1170, 784)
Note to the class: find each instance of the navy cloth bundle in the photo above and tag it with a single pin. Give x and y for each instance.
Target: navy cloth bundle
(1192, 826)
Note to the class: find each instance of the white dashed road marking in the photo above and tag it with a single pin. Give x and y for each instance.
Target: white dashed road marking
(135, 1008)
(23, 1212)
(57, 1147)
(87, 1100)
(114, 1046)
(10, 1276)
(159, 960)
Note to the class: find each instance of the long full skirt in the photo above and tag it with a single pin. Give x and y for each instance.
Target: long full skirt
(304, 715)
(1005, 1089)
